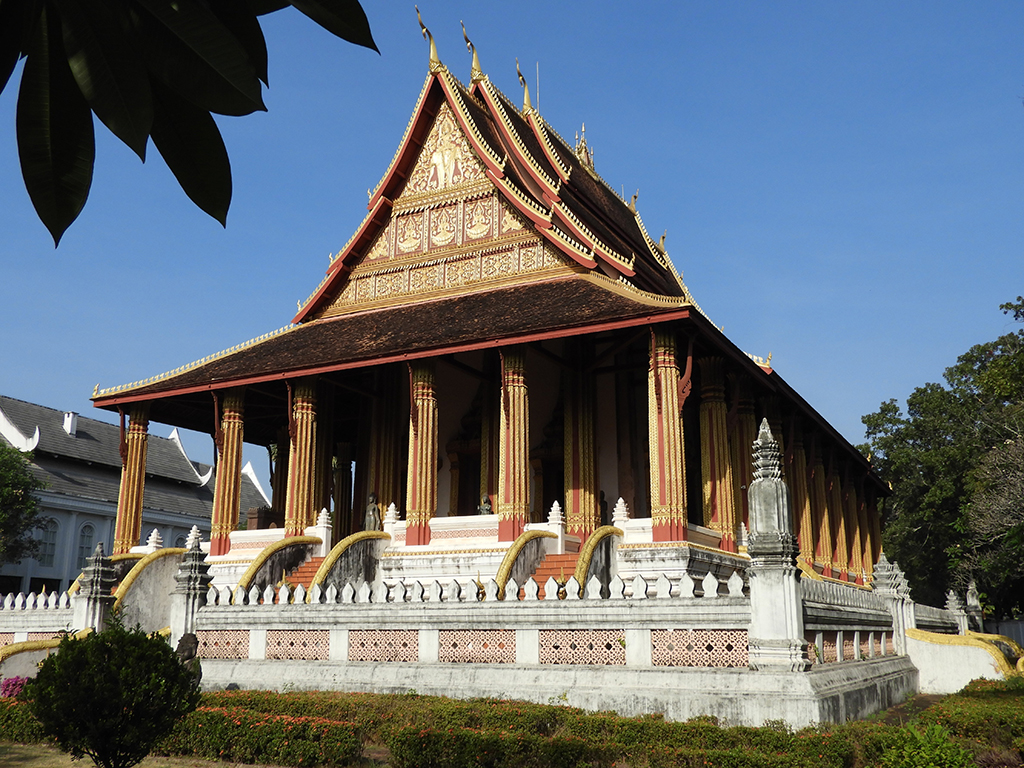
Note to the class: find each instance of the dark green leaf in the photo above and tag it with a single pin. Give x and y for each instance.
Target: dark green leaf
(188, 140)
(108, 70)
(203, 34)
(177, 66)
(344, 18)
(55, 134)
(263, 7)
(12, 23)
(240, 19)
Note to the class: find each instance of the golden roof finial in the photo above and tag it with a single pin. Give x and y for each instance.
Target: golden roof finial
(95, 390)
(632, 202)
(435, 65)
(527, 105)
(661, 243)
(475, 73)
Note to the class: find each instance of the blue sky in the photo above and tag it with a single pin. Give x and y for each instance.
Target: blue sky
(841, 184)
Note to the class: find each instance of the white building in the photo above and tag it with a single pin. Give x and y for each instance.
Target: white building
(78, 459)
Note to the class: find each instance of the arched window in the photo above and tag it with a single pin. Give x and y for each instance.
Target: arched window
(47, 544)
(85, 545)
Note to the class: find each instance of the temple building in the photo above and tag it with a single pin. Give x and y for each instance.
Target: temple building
(499, 335)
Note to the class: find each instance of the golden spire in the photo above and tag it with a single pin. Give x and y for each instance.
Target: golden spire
(475, 73)
(435, 65)
(527, 105)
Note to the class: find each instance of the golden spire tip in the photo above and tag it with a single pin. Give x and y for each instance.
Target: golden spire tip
(435, 65)
(527, 105)
(476, 74)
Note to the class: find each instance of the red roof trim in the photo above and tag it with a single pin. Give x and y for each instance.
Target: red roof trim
(549, 192)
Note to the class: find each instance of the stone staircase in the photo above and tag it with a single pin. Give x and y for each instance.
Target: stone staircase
(558, 567)
(304, 573)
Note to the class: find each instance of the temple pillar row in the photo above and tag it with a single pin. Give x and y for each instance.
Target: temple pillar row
(513, 465)
(840, 550)
(421, 495)
(128, 527)
(819, 514)
(302, 433)
(228, 488)
(385, 429)
(668, 466)
(581, 512)
(856, 566)
(802, 515)
(716, 466)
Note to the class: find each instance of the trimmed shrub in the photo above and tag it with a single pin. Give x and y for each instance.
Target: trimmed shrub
(111, 695)
(244, 736)
(413, 747)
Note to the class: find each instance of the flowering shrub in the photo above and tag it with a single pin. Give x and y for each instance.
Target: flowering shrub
(11, 686)
(18, 724)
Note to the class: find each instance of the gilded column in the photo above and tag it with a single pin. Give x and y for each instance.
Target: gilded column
(421, 496)
(582, 515)
(384, 433)
(854, 532)
(302, 431)
(802, 501)
(668, 467)
(513, 467)
(128, 528)
(490, 432)
(819, 514)
(744, 432)
(716, 464)
(837, 512)
(874, 527)
(866, 559)
(228, 490)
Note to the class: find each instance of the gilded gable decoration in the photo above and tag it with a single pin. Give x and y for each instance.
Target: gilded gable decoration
(445, 160)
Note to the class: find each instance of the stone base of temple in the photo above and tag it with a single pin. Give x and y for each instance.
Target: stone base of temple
(736, 696)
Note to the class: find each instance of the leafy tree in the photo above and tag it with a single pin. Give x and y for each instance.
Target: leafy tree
(147, 69)
(18, 506)
(950, 462)
(112, 695)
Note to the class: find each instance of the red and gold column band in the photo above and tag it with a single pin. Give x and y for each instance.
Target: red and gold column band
(716, 463)
(421, 494)
(228, 488)
(668, 466)
(128, 528)
(299, 505)
(513, 466)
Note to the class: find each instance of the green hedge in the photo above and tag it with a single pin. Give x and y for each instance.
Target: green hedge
(244, 736)
(320, 728)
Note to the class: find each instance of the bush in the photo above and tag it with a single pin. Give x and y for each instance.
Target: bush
(413, 747)
(932, 747)
(17, 723)
(250, 737)
(111, 695)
